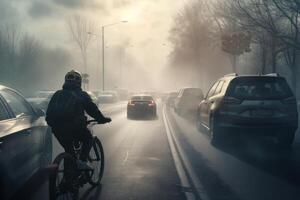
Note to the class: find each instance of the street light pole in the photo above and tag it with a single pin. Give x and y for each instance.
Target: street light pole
(103, 51)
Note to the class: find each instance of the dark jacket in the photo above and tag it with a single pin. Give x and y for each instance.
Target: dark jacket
(88, 105)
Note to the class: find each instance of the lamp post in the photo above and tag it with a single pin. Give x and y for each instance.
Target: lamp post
(103, 50)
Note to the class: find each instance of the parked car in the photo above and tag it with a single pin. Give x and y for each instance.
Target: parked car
(258, 105)
(25, 141)
(142, 105)
(187, 100)
(41, 99)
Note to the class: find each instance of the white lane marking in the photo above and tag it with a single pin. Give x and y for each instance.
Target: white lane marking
(177, 153)
(126, 158)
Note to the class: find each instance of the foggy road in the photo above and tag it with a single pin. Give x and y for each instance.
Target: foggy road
(168, 158)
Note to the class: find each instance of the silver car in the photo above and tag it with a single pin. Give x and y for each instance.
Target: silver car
(257, 105)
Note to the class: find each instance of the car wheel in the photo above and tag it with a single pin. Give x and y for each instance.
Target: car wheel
(286, 139)
(216, 135)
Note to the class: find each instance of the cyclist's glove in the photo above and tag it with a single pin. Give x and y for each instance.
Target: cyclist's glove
(107, 120)
(104, 120)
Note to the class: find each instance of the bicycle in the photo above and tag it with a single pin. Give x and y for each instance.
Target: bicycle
(68, 178)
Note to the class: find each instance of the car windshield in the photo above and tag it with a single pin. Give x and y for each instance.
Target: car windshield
(259, 88)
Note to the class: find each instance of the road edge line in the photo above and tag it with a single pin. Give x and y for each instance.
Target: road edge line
(184, 169)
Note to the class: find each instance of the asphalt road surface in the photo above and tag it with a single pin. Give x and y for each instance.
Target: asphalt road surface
(168, 158)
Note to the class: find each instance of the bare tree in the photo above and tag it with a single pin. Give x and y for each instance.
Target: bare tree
(79, 27)
(280, 21)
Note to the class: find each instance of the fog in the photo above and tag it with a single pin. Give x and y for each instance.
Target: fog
(162, 46)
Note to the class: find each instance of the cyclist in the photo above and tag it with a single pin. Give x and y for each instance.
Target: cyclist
(66, 116)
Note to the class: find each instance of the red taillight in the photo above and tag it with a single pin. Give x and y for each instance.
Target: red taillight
(231, 101)
(290, 101)
(152, 103)
(130, 103)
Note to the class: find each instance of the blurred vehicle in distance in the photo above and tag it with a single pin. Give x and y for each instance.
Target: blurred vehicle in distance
(171, 98)
(41, 99)
(108, 96)
(93, 97)
(187, 100)
(260, 105)
(142, 105)
(25, 141)
(122, 94)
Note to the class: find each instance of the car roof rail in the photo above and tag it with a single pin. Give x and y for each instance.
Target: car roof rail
(232, 74)
(272, 74)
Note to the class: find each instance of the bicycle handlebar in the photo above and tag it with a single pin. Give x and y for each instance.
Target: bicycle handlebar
(91, 121)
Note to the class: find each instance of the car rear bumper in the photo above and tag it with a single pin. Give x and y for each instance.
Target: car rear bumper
(141, 110)
(259, 126)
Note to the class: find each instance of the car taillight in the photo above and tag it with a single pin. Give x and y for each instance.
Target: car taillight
(130, 103)
(289, 101)
(231, 101)
(152, 103)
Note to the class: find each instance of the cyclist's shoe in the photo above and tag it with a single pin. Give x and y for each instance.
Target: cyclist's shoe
(81, 165)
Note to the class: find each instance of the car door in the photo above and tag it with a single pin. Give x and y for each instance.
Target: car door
(19, 139)
(206, 103)
(5, 156)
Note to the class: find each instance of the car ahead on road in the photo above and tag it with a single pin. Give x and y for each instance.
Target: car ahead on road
(25, 141)
(171, 98)
(108, 96)
(142, 105)
(187, 100)
(258, 105)
(41, 99)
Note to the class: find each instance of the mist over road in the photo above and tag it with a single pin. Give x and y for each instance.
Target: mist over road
(140, 163)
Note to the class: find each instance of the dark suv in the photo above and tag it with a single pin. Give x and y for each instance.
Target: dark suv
(261, 105)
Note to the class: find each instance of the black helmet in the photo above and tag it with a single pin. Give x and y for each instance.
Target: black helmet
(74, 76)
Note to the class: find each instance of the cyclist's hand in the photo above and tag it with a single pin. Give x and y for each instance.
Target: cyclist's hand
(107, 120)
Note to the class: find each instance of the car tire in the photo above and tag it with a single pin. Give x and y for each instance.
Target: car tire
(286, 139)
(216, 135)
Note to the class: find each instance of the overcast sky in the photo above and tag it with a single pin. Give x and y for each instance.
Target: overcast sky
(148, 20)
(146, 32)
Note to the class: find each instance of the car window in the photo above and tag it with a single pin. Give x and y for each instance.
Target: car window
(140, 98)
(259, 88)
(3, 112)
(219, 88)
(212, 90)
(16, 103)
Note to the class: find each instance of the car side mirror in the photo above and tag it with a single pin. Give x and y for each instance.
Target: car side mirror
(40, 112)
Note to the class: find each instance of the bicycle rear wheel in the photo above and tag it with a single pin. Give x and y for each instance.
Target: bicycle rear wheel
(96, 161)
(62, 183)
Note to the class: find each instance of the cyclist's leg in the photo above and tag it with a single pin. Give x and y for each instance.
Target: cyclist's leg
(66, 141)
(87, 140)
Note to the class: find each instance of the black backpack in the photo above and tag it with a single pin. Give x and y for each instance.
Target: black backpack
(63, 107)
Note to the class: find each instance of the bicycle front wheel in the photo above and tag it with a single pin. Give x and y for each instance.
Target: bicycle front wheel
(61, 184)
(96, 161)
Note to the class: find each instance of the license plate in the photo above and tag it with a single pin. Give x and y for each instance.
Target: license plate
(262, 112)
